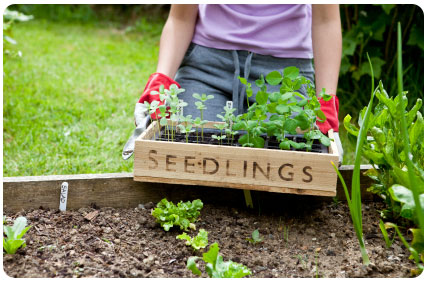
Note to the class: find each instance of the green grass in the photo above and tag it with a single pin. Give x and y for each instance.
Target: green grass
(68, 102)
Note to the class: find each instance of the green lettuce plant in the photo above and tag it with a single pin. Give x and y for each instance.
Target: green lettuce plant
(12, 238)
(216, 267)
(198, 242)
(183, 215)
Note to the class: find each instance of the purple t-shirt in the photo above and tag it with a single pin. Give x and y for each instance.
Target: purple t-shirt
(276, 30)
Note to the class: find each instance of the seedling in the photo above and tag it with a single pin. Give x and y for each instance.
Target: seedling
(255, 237)
(216, 267)
(200, 241)
(221, 127)
(198, 123)
(183, 215)
(187, 128)
(355, 202)
(13, 239)
(200, 105)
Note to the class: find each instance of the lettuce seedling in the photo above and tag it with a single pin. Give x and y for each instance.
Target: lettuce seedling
(255, 237)
(216, 267)
(183, 215)
(13, 239)
(200, 241)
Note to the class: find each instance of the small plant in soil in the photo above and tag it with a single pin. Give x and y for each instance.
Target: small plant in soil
(200, 105)
(187, 127)
(198, 242)
(12, 235)
(183, 215)
(216, 267)
(255, 237)
(197, 122)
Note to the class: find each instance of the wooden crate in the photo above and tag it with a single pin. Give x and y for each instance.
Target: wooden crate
(234, 167)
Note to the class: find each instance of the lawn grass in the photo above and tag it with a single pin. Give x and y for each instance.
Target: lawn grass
(68, 102)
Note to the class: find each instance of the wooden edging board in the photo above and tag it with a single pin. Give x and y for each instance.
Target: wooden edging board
(119, 190)
(304, 173)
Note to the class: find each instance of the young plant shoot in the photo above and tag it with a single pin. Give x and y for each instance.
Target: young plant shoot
(198, 242)
(183, 215)
(13, 240)
(216, 267)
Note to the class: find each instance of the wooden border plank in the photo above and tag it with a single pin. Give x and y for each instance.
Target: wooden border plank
(119, 190)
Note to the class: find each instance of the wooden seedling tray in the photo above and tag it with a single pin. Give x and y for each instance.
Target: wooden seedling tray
(269, 170)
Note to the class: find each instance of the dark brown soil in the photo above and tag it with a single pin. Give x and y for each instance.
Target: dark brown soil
(128, 243)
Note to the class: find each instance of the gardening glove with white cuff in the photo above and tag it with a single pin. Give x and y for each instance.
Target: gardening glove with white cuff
(141, 115)
(330, 109)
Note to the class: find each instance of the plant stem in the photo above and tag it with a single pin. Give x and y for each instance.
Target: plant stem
(202, 126)
(414, 186)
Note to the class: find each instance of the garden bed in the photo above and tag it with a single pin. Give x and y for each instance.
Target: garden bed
(128, 243)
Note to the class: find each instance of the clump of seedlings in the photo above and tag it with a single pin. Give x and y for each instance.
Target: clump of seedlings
(276, 115)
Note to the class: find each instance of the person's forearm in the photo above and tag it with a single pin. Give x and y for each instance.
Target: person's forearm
(327, 46)
(176, 37)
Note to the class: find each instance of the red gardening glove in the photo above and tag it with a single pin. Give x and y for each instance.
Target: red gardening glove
(154, 82)
(330, 109)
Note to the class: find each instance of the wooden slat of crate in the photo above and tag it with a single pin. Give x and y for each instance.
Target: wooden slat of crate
(234, 167)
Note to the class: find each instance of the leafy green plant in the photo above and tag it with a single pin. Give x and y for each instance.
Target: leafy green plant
(216, 267)
(12, 238)
(395, 148)
(288, 110)
(183, 215)
(355, 202)
(255, 237)
(200, 241)
(187, 127)
(197, 122)
(221, 127)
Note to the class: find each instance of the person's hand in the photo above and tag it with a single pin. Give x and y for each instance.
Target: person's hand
(330, 109)
(141, 115)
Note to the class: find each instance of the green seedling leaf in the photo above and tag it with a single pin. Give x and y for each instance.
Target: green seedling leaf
(274, 97)
(200, 241)
(282, 109)
(13, 239)
(258, 142)
(403, 195)
(261, 97)
(216, 267)
(274, 78)
(191, 265)
(350, 127)
(291, 72)
(255, 237)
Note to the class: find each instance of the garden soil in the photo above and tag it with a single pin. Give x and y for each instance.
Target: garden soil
(109, 242)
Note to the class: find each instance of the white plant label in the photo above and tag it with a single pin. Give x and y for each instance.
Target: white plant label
(229, 104)
(64, 196)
